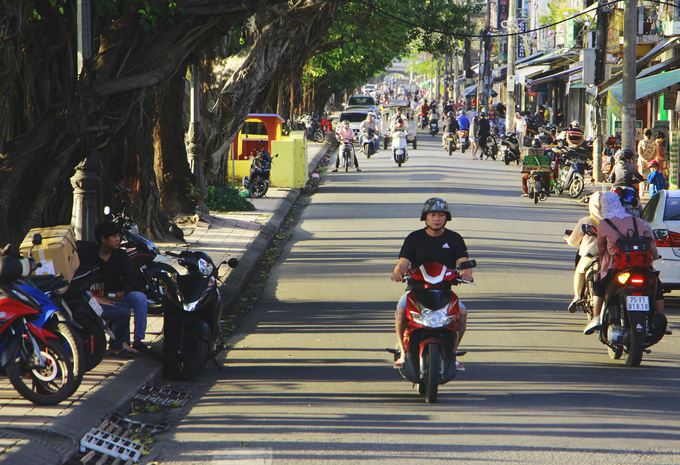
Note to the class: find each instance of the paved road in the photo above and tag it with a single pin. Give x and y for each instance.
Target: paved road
(310, 381)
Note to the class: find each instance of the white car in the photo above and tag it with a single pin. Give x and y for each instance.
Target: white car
(355, 118)
(662, 212)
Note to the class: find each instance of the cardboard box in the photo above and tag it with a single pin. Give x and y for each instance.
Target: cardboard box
(535, 160)
(57, 253)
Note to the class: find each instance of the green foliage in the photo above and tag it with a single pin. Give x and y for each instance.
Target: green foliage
(151, 13)
(226, 198)
(361, 43)
(559, 10)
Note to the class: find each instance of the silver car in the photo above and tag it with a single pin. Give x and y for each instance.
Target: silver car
(662, 212)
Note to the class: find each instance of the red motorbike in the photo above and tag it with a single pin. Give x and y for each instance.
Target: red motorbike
(432, 327)
(34, 360)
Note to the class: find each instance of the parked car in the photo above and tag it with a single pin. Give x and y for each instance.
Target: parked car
(662, 212)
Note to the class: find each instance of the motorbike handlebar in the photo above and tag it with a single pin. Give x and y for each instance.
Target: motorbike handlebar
(173, 254)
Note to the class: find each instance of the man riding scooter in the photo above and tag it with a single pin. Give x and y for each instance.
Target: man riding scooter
(369, 125)
(450, 126)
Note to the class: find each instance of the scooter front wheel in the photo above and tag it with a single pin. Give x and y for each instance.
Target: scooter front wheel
(48, 385)
(258, 187)
(432, 380)
(182, 366)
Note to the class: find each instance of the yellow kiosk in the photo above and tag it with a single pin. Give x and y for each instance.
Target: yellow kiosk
(289, 169)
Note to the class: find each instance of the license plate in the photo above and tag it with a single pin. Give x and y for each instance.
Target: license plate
(96, 307)
(637, 303)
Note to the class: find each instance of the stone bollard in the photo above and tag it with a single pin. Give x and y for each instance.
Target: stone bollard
(85, 209)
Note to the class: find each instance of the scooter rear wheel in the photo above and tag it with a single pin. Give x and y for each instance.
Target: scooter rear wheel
(635, 349)
(576, 187)
(94, 340)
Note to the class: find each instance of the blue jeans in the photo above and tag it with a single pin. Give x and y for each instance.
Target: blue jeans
(118, 318)
(137, 300)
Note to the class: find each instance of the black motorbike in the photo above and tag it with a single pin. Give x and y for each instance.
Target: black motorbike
(510, 148)
(434, 127)
(260, 169)
(313, 129)
(423, 120)
(191, 314)
(153, 270)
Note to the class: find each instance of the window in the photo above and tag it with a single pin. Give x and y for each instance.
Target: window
(672, 212)
(361, 100)
(648, 212)
(353, 117)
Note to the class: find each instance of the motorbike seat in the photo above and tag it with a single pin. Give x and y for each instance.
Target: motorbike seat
(48, 283)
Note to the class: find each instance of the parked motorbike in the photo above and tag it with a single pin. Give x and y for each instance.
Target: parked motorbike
(153, 270)
(434, 127)
(399, 146)
(368, 143)
(313, 129)
(510, 150)
(431, 327)
(464, 140)
(33, 358)
(571, 174)
(191, 314)
(260, 169)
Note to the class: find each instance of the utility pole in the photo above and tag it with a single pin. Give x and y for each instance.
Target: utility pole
(600, 63)
(629, 72)
(510, 79)
(485, 59)
(456, 81)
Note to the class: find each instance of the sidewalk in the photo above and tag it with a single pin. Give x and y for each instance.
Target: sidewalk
(35, 435)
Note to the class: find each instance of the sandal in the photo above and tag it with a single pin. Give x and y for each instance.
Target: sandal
(141, 347)
(123, 354)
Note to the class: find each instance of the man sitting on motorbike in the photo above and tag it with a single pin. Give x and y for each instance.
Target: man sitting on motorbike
(398, 115)
(424, 108)
(536, 143)
(448, 107)
(586, 254)
(625, 172)
(437, 244)
(369, 125)
(574, 135)
(483, 131)
(612, 210)
(450, 125)
(344, 133)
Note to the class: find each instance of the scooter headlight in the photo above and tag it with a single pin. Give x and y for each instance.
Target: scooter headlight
(205, 267)
(433, 318)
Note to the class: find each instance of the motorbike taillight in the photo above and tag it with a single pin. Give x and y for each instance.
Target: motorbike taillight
(637, 279)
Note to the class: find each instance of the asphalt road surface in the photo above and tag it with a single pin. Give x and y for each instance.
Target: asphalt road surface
(310, 380)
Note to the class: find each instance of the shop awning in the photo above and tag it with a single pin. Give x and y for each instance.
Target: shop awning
(528, 71)
(499, 73)
(649, 88)
(556, 76)
(661, 47)
(473, 90)
(660, 67)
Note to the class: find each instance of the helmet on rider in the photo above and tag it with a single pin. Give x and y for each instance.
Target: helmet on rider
(628, 197)
(482, 114)
(622, 155)
(652, 164)
(435, 204)
(345, 123)
(536, 143)
(449, 113)
(575, 123)
(370, 113)
(400, 121)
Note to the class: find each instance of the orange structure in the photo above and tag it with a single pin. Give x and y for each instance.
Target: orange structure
(244, 145)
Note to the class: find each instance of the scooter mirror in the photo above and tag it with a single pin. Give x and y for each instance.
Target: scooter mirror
(107, 210)
(233, 262)
(177, 232)
(37, 239)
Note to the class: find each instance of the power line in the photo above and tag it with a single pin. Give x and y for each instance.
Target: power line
(459, 35)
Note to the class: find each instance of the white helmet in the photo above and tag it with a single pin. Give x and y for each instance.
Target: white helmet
(370, 113)
(575, 123)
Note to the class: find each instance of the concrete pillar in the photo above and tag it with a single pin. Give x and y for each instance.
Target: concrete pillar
(85, 215)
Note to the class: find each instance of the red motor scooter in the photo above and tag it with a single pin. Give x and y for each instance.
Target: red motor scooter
(432, 326)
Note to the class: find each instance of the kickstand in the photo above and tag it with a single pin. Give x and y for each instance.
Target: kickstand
(214, 360)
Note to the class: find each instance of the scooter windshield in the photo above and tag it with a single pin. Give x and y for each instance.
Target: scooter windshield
(433, 299)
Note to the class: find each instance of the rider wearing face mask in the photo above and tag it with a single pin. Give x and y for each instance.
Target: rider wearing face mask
(437, 244)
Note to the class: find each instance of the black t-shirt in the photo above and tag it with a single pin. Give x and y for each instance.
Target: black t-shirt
(450, 125)
(420, 248)
(484, 127)
(117, 273)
